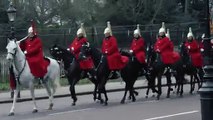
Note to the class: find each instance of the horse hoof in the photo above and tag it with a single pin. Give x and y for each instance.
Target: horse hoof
(122, 102)
(73, 104)
(101, 101)
(133, 100)
(105, 103)
(35, 111)
(129, 98)
(11, 114)
(50, 106)
(146, 96)
(158, 97)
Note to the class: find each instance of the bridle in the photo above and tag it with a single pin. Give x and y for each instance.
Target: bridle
(19, 72)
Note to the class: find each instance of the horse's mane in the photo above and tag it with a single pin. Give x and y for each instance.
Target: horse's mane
(65, 52)
(125, 53)
(96, 55)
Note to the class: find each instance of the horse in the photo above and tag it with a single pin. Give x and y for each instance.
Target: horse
(129, 73)
(189, 69)
(157, 69)
(25, 78)
(72, 70)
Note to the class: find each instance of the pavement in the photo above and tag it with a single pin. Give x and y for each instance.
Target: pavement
(64, 91)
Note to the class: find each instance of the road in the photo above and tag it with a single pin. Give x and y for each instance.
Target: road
(174, 108)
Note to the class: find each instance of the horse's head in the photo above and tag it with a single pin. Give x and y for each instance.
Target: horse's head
(151, 54)
(185, 54)
(60, 53)
(90, 51)
(11, 49)
(56, 52)
(85, 51)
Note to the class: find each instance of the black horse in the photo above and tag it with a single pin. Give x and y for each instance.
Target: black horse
(196, 74)
(157, 69)
(72, 69)
(129, 73)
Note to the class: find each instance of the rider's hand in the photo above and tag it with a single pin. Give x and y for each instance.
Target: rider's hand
(68, 49)
(25, 52)
(106, 52)
(131, 51)
(157, 50)
(201, 49)
(72, 48)
(188, 47)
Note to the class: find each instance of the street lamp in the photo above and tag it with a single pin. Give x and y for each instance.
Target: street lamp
(11, 12)
(206, 91)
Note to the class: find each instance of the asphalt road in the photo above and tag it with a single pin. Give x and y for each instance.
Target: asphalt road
(174, 108)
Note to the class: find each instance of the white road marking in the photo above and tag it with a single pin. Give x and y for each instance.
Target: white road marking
(72, 111)
(172, 115)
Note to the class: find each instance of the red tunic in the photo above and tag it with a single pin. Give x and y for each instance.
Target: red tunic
(137, 47)
(37, 63)
(194, 52)
(77, 44)
(166, 48)
(114, 59)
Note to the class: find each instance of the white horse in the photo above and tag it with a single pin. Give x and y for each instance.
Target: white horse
(17, 58)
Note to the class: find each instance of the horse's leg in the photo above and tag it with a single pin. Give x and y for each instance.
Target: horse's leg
(197, 77)
(124, 97)
(191, 84)
(33, 98)
(177, 85)
(168, 77)
(14, 102)
(72, 89)
(106, 97)
(101, 89)
(182, 78)
(50, 95)
(94, 80)
(159, 87)
(132, 93)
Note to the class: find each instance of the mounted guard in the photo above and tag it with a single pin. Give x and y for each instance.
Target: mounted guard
(110, 49)
(165, 47)
(33, 50)
(194, 50)
(86, 64)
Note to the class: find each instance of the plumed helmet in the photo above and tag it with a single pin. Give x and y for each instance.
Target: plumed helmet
(81, 30)
(168, 34)
(108, 29)
(32, 28)
(137, 31)
(190, 34)
(163, 28)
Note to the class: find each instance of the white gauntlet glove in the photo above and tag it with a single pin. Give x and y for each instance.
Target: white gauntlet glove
(25, 52)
